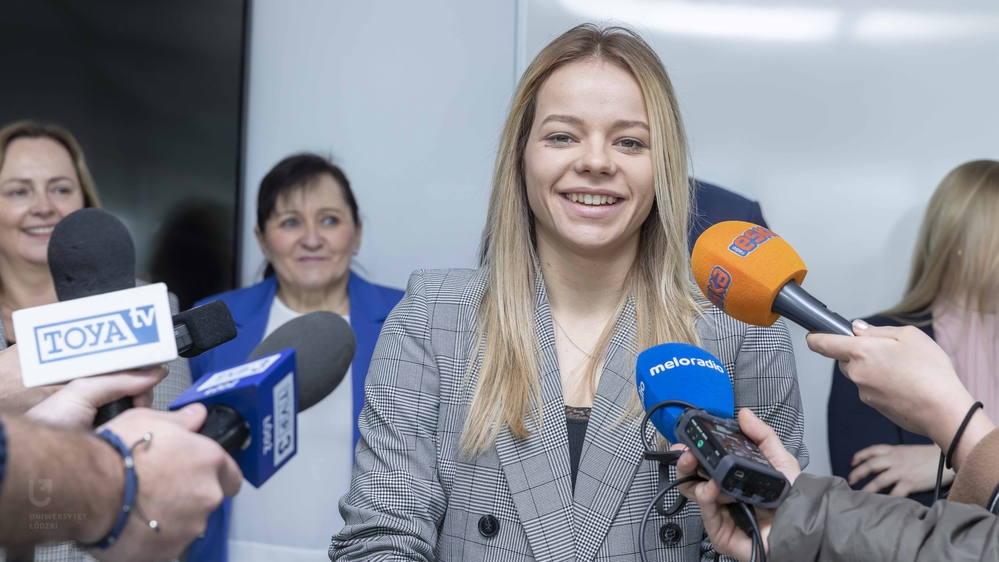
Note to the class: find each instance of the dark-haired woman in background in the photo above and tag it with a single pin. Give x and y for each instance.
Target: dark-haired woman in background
(308, 229)
(952, 296)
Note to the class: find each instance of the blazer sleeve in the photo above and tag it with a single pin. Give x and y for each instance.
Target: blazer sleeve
(396, 502)
(823, 520)
(766, 381)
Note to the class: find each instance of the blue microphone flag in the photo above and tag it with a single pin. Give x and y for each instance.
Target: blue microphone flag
(680, 371)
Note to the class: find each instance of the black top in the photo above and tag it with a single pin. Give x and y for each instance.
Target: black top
(576, 420)
(853, 425)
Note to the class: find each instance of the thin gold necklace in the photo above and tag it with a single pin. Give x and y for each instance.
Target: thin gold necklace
(574, 344)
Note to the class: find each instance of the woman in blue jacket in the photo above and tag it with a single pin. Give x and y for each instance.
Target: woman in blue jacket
(308, 229)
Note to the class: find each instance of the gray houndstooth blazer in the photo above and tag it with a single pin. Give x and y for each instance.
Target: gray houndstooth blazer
(414, 496)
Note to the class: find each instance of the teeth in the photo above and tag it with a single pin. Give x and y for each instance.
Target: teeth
(591, 199)
(41, 230)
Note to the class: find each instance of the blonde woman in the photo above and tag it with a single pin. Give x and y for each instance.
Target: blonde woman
(500, 420)
(952, 295)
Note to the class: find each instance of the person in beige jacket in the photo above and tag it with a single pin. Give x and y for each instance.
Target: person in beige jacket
(909, 379)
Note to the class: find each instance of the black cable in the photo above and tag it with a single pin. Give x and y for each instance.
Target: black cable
(650, 448)
(940, 465)
(757, 535)
(652, 505)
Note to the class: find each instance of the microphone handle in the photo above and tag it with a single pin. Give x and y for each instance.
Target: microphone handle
(795, 304)
(226, 427)
(108, 411)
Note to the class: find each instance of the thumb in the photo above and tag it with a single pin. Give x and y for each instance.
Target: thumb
(761, 433)
(769, 443)
(104, 389)
(190, 417)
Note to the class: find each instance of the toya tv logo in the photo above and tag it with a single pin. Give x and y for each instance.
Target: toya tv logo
(745, 243)
(718, 284)
(97, 334)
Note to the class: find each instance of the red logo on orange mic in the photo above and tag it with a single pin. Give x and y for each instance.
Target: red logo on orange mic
(718, 285)
(745, 243)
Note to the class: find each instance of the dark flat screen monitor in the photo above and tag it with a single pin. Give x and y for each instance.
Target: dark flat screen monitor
(153, 90)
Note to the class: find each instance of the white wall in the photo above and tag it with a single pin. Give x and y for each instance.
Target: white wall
(408, 96)
(839, 116)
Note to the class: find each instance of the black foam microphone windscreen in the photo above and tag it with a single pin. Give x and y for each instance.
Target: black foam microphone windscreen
(90, 253)
(208, 326)
(324, 347)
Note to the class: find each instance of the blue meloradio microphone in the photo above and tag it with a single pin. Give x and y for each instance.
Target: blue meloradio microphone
(700, 405)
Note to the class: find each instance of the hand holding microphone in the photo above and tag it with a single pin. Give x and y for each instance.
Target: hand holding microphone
(755, 276)
(183, 477)
(75, 405)
(905, 375)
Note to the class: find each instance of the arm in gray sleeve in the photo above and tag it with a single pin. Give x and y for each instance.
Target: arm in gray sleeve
(396, 502)
(823, 520)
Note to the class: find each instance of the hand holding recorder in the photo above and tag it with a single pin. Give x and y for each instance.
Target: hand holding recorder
(726, 535)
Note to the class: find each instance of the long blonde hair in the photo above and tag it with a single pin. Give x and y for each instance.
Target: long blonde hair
(508, 383)
(957, 252)
(33, 130)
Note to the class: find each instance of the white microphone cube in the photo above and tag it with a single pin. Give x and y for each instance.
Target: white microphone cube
(105, 333)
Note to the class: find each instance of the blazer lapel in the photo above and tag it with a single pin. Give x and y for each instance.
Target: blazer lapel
(612, 451)
(537, 467)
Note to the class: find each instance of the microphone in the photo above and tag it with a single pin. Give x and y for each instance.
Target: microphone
(202, 328)
(252, 407)
(755, 276)
(103, 322)
(682, 372)
(699, 405)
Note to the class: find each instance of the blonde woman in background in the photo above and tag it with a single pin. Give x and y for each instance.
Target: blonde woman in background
(501, 419)
(43, 178)
(952, 295)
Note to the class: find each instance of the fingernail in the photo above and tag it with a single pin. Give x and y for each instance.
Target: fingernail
(860, 324)
(853, 461)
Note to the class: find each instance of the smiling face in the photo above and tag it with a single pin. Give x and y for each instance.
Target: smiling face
(587, 163)
(310, 237)
(38, 187)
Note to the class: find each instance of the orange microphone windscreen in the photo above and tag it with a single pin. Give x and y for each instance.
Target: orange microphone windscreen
(740, 267)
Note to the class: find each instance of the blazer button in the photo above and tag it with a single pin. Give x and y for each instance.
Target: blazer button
(488, 526)
(670, 534)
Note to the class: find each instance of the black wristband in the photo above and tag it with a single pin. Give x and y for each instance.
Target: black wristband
(131, 491)
(960, 432)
